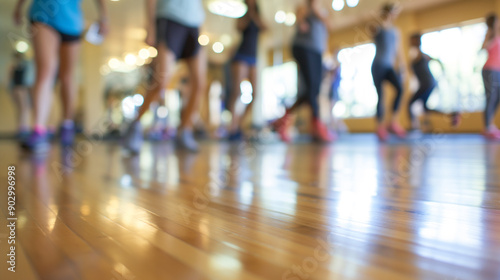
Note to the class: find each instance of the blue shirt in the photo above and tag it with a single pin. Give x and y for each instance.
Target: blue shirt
(386, 42)
(64, 16)
(186, 12)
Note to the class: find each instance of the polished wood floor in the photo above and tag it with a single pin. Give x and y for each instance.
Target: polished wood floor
(427, 209)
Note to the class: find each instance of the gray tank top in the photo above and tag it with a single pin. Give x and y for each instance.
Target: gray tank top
(386, 44)
(315, 38)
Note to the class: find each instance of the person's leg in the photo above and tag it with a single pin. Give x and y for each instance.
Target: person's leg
(414, 98)
(46, 43)
(20, 95)
(378, 74)
(395, 79)
(164, 66)
(69, 53)
(197, 66)
(252, 76)
(240, 72)
(491, 99)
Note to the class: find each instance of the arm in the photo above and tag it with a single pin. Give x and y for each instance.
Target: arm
(323, 16)
(401, 57)
(301, 19)
(150, 22)
(258, 20)
(487, 39)
(18, 12)
(437, 60)
(103, 17)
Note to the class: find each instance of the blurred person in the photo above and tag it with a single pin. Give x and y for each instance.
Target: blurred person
(308, 47)
(491, 76)
(334, 77)
(173, 28)
(20, 86)
(244, 65)
(56, 29)
(427, 83)
(388, 65)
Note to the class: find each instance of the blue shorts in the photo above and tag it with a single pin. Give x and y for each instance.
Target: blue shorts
(182, 40)
(250, 60)
(65, 17)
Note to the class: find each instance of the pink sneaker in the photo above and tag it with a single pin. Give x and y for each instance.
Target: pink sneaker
(398, 130)
(282, 126)
(320, 131)
(382, 133)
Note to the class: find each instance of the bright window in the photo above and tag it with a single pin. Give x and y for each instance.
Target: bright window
(460, 87)
(358, 96)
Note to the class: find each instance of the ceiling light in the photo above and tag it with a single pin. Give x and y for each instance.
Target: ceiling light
(290, 19)
(352, 3)
(22, 46)
(218, 47)
(203, 40)
(227, 8)
(338, 5)
(280, 16)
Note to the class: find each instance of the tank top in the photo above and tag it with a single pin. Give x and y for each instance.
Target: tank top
(64, 16)
(248, 44)
(493, 62)
(423, 72)
(189, 13)
(386, 44)
(315, 38)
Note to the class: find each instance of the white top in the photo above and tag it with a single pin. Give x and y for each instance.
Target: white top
(186, 12)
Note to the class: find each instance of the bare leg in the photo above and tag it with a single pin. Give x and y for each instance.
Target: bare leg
(164, 66)
(198, 69)
(20, 95)
(69, 57)
(45, 44)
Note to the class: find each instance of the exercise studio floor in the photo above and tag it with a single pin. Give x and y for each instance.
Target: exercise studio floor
(357, 209)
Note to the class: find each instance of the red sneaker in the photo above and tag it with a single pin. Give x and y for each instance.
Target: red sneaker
(382, 133)
(321, 132)
(398, 130)
(282, 127)
(491, 135)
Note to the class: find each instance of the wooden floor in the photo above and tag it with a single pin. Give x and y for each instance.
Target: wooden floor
(426, 209)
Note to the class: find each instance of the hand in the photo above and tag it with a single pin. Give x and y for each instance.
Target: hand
(103, 27)
(18, 18)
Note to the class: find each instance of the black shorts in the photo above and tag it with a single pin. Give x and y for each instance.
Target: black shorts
(180, 39)
(65, 38)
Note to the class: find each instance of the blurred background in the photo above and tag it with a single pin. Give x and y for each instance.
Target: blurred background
(112, 76)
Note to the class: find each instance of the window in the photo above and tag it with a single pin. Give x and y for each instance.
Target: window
(358, 96)
(460, 86)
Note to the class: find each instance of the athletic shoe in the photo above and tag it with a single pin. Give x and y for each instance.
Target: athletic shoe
(398, 130)
(382, 133)
(491, 135)
(67, 135)
(282, 127)
(133, 138)
(186, 141)
(37, 142)
(235, 136)
(320, 131)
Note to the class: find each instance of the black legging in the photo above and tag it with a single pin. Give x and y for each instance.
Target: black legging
(423, 93)
(383, 73)
(310, 65)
